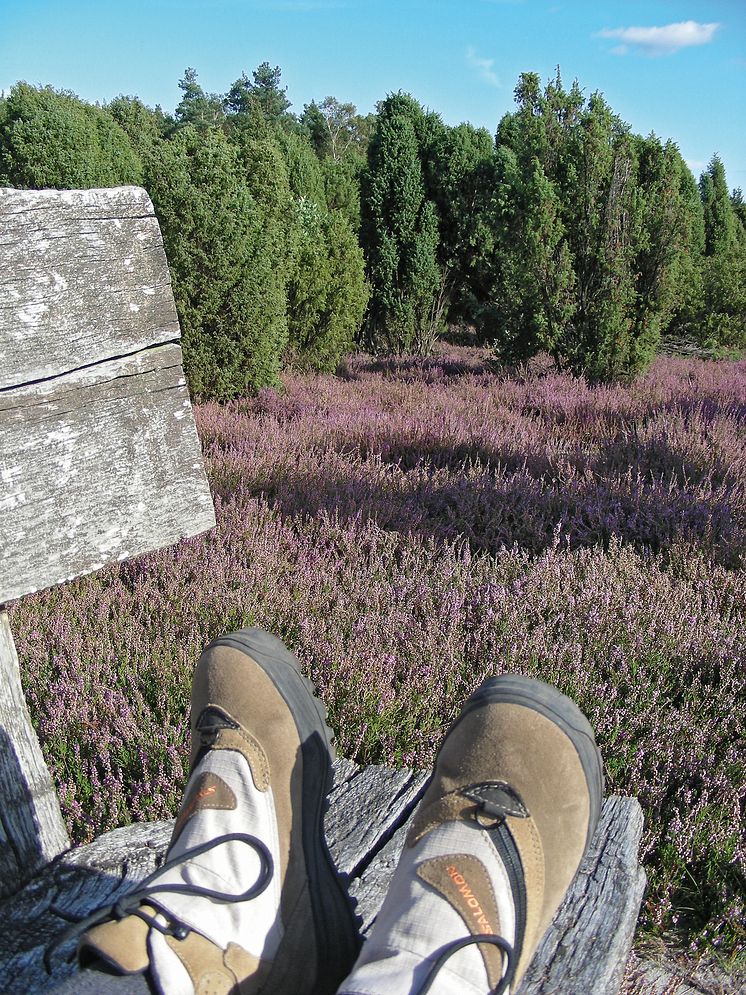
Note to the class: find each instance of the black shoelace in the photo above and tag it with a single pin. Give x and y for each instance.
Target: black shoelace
(128, 905)
(466, 941)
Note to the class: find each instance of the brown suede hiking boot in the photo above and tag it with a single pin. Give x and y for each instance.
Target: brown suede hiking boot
(492, 849)
(248, 900)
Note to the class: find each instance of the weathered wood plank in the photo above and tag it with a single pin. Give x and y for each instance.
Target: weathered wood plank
(369, 888)
(96, 466)
(670, 971)
(99, 456)
(366, 807)
(74, 885)
(32, 831)
(591, 932)
(83, 278)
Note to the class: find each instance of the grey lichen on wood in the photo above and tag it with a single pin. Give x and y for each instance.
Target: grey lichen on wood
(584, 951)
(31, 828)
(99, 456)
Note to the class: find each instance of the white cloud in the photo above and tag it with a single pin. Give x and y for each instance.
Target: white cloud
(663, 40)
(696, 165)
(482, 66)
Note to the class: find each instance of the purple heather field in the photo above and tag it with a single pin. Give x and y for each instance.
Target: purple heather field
(410, 527)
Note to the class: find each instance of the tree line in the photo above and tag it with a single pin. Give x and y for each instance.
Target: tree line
(294, 238)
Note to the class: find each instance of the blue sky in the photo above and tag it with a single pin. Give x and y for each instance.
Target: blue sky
(675, 67)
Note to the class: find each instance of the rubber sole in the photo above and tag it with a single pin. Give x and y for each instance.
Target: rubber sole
(337, 933)
(513, 689)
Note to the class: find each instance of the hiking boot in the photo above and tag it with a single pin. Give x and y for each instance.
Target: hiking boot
(492, 848)
(248, 900)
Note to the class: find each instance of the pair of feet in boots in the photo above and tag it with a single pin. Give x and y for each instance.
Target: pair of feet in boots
(249, 901)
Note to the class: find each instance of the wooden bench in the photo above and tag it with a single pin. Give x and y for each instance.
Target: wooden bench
(100, 461)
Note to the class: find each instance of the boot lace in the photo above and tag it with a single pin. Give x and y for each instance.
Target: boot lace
(452, 948)
(128, 905)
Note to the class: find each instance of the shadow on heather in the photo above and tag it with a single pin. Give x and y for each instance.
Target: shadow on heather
(515, 508)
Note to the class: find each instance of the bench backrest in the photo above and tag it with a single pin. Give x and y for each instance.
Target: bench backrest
(99, 456)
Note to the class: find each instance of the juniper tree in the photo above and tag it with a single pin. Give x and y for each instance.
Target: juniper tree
(231, 310)
(50, 138)
(723, 316)
(399, 234)
(327, 293)
(591, 225)
(303, 167)
(143, 126)
(458, 172)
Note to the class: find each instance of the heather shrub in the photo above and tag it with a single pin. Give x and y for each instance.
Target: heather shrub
(412, 527)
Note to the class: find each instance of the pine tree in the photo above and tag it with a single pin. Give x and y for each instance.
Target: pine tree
(261, 94)
(197, 108)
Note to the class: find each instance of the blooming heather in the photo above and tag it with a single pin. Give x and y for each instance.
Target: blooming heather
(410, 527)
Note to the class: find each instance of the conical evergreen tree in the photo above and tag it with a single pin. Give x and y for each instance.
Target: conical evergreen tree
(231, 308)
(399, 234)
(723, 318)
(719, 217)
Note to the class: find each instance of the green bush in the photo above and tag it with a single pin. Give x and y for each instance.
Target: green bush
(592, 227)
(327, 293)
(50, 139)
(230, 300)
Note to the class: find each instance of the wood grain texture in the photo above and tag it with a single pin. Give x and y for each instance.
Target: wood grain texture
(96, 466)
(584, 952)
(83, 279)
(31, 828)
(369, 888)
(99, 456)
(366, 807)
